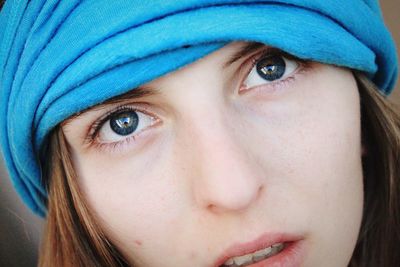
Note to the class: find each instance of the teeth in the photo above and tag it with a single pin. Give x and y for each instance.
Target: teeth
(243, 259)
(279, 245)
(257, 256)
(260, 255)
(229, 262)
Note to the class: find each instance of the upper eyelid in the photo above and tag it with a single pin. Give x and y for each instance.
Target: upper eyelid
(96, 126)
(137, 94)
(275, 51)
(99, 123)
(249, 63)
(265, 51)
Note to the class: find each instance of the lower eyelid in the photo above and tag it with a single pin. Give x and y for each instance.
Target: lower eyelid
(91, 137)
(152, 120)
(121, 146)
(247, 66)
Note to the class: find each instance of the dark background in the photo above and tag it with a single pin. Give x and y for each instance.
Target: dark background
(20, 230)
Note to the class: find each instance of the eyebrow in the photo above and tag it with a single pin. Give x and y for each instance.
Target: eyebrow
(247, 49)
(137, 92)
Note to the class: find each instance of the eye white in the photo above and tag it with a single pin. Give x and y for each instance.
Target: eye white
(107, 135)
(254, 79)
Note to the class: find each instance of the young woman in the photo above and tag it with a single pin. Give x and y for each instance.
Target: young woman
(204, 133)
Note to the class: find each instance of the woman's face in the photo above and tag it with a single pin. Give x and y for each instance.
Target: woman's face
(220, 159)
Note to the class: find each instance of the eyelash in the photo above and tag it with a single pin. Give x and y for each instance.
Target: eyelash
(245, 67)
(252, 61)
(91, 137)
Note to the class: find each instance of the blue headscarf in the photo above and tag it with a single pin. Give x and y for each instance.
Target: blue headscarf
(61, 57)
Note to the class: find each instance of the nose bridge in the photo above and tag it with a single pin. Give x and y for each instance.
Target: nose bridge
(226, 177)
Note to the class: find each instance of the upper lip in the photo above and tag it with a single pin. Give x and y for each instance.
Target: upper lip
(264, 241)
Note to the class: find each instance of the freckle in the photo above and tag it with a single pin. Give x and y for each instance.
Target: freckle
(193, 255)
(138, 242)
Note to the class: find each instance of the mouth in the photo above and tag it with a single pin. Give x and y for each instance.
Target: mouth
(268, 250)
(257, 256)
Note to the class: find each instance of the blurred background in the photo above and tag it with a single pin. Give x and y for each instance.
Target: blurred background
(20, 230)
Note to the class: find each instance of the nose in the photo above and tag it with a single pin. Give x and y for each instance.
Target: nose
(227, 177)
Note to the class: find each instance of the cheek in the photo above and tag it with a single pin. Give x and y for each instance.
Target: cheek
(311, 148)
(130, 196)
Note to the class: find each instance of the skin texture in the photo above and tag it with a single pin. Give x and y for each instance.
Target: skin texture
(222, 166)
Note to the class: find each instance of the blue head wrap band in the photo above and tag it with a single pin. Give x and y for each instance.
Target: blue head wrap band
(60, 57)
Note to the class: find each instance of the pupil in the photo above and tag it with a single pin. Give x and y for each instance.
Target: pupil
(271, 68)
(124, 123)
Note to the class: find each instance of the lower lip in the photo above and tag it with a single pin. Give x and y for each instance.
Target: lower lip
(291, 256)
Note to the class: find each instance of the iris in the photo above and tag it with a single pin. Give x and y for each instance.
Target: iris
(124, 123)
(271, 67)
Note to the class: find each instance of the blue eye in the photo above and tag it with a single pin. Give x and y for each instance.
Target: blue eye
(271, 68)
(124, 123)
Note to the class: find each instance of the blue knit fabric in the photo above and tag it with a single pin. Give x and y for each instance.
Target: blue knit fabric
(60, 57)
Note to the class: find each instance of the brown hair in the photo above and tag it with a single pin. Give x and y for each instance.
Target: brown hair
(72, 237)
(379, 239)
